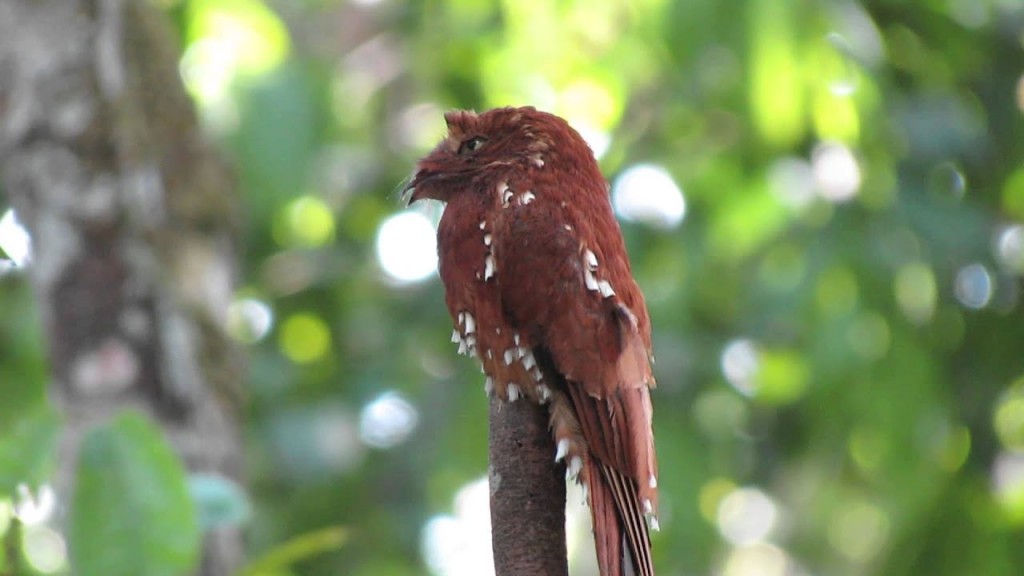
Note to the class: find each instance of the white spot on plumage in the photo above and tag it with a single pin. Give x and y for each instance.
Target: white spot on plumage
(462, 317)
(490, 354)
(537, 160)
(487, 239)
(528, 360)
(563, 449)
(526, 198)
(605, 289)
(456, 337)
(510, 356)
(573, 470)
(515, 338)
(537, 375)
(504, 193)
(544, 393)
(653, 481)
(589, 280)
(488, 267)
(483, 224)
(652, 521)
(463, 348)
(648, 507)
(513, 392)
(591, 259)
(489, 385)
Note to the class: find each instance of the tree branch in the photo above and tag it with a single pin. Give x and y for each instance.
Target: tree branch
(527, 492)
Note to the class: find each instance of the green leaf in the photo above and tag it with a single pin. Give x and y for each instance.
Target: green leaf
(28, 448)
(279, 559)
(131, 513)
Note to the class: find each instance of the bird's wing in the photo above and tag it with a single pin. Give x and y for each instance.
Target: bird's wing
(564, 283)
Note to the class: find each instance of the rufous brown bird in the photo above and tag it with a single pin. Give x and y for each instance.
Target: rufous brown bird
(538, 284)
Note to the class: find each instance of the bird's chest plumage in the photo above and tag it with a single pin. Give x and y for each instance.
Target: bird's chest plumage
(474, 277)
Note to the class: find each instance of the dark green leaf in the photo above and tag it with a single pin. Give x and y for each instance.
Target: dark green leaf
(131, 514)
(27, 450)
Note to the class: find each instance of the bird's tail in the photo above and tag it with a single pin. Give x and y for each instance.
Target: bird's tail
(621, 534)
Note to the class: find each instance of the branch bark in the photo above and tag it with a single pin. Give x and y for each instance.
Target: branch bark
(527, 492)
(131, 215)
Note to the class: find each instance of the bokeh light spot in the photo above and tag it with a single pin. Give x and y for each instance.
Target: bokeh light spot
(44, 549)
(741, 362)
(460, 544)
(867, 448)
(783, 377)
(304, 338)
(711, 495)
(1009, 248)
(956, 448)
(836, 172)
(746, 516)
(387, 421)
(15, 240)
(407, 247)
(836, 293)
(1013, 194)
(792, 181)
(916, 292)
(1008, 485)
(1009, 417)
(973, 286)
(249, 320)
(858, 530)
(308, 223)
(647, 193)
(720, 413)
(228, 38)
(757, 560)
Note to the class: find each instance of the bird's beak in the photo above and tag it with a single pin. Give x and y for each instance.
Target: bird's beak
(415, 190)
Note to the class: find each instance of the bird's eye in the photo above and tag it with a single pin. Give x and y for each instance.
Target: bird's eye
(472, 145)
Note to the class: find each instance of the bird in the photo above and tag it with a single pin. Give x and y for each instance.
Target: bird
(539, 287)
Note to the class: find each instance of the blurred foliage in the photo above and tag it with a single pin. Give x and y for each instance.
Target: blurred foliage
(838, 323)
(128, 477)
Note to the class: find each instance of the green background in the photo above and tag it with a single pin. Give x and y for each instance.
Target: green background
(841, 372)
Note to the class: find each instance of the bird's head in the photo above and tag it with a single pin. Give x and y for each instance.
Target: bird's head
(493, 143)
